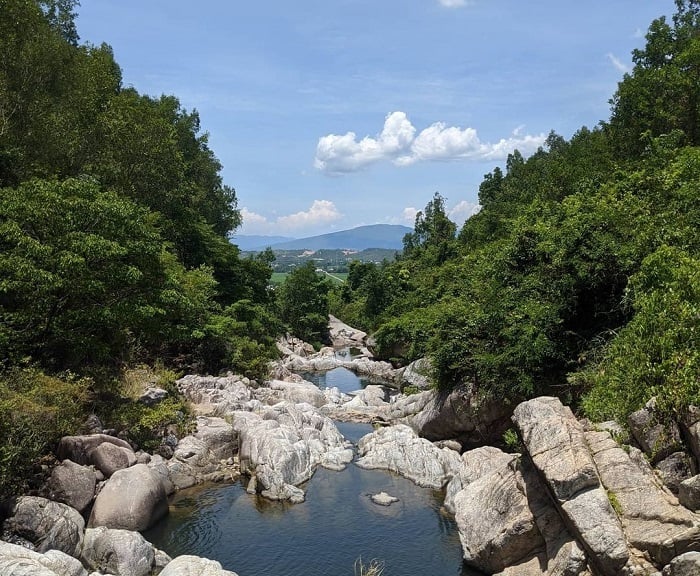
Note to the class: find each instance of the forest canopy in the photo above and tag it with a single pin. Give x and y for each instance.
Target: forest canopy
(578, 277)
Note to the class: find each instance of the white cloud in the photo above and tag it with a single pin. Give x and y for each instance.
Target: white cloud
(463, 211)
(344, 153)
(453, 3)
(398, 143)
(409, 214)
(320, 212)
(617, 63)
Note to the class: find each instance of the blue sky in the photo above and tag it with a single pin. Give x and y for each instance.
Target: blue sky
(332, 114)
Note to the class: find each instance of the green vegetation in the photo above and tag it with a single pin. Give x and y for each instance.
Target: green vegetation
(579, 276)
(114, 250)
(303, 303)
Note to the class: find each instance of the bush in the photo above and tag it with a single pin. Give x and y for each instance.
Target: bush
(36, 410)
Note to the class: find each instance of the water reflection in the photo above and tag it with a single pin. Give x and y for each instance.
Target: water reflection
(336, 525)
(327, 534)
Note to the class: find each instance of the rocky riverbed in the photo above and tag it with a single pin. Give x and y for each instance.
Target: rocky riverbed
(572, 502)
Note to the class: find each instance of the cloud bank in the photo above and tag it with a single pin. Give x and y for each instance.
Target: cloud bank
(398, 143)
(321, 212)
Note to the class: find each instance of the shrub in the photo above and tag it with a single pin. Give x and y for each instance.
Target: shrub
(36, 410)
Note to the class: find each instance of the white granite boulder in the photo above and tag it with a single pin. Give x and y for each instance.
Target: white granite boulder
(121, 552)
(132, 499)
(20, 561)
(195, 566)
(399, 449)
(557, 446)
(47, 525)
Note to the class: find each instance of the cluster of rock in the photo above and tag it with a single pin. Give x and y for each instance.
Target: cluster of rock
(46, 538)
(574, 503)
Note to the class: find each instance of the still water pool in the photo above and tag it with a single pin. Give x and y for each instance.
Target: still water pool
(324, 536)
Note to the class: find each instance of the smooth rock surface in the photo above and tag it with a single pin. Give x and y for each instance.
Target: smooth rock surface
(496, 526)
(343, 335)
(19, 561)
(557, 446)
(460, 414)
(47, 525)
(132, 499)
(119, 552)
(108, 458)
(417, 374)
(73, 485)
(687, 564)
(78, 448)
(475, 464)
(195, 566)
(689, 493)
(399, 449)
(652, 519)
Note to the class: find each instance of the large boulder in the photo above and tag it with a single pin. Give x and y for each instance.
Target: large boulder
(557, 446)
(399, 449)
(20, 561)
(282, 447)
(496, 526)
(118, 552)
(463, 415)
(195, 566)
(47, 525)
(417, 374)
(653, 520)
(689, 493)
(343, 335)
(72, 484)
(132, 499)
(475, 464)
(674, 469)
(506, 520)
(78, 448)
(108, 458)
(203, 455)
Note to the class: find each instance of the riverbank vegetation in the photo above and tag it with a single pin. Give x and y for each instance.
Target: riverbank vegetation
(114, 250)
(579, 277)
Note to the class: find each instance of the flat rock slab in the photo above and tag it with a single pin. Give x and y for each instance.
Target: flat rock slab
(557, 445)
(651, 516)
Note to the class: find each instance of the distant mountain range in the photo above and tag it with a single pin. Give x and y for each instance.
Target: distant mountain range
(389, 236)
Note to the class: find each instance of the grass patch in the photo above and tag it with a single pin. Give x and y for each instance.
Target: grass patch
(374, 568)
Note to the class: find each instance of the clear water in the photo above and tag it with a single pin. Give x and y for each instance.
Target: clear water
(345, 380)
(324, 536)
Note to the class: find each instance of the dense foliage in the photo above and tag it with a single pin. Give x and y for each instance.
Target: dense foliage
(579, 276)
(114, 241)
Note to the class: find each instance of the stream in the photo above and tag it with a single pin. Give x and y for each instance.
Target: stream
(324, 536)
